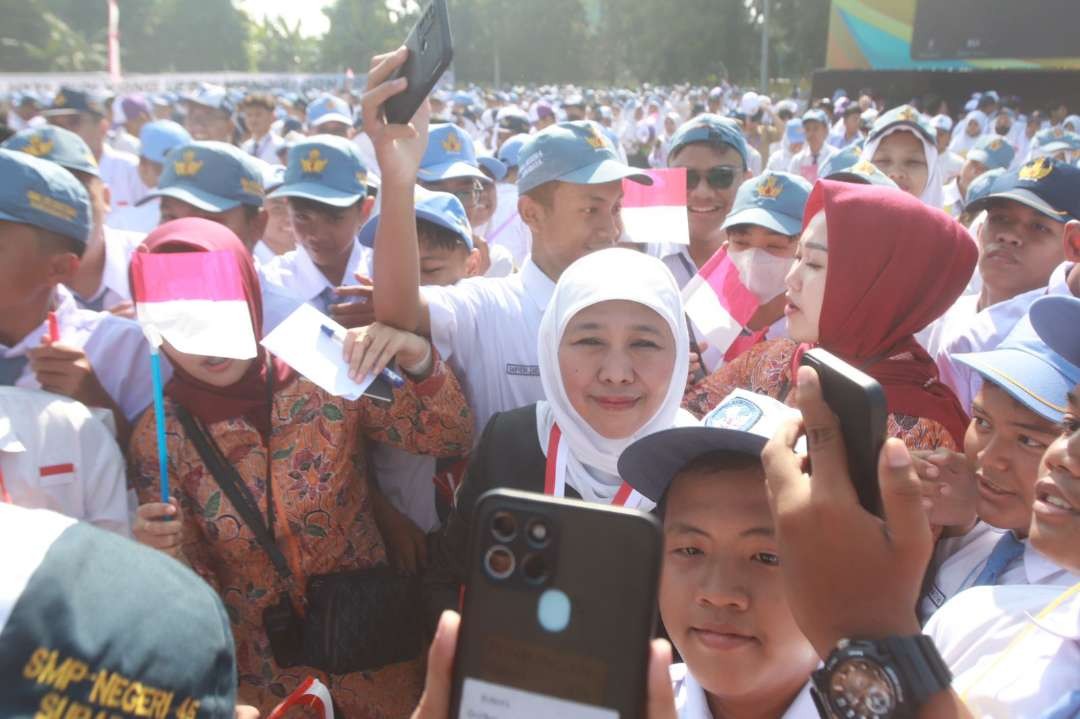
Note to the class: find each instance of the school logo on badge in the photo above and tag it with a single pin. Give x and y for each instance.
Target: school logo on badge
(1036, 169)
(595, 139)
(188, 165)
(736, 414)
(38, 147)
(770, 187)
(452, 144)
(314, 163)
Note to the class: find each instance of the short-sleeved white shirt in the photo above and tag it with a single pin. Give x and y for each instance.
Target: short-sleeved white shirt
(120, 173)
(265, 148)
(487, 329)
(974, 629)
(691, 702)
(56, 455)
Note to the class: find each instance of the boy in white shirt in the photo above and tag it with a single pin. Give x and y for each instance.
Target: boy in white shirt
(722, 598)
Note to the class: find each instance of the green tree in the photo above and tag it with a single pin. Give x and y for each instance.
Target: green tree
(358, 30)
(64, 49)
(278, 47)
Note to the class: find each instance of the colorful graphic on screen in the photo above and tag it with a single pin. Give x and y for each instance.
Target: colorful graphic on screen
(953, 34)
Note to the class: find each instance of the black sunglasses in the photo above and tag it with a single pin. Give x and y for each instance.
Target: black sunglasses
(719, 178)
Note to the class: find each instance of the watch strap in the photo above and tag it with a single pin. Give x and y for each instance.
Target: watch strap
(921, 669)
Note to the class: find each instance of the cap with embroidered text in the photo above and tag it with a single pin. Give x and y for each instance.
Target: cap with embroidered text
(69, 101)
(742, 423)
(328, 108)
(1028, 370)
(773, 200)
(992, 151)
(55, 144)
(1046, 185)
(439, 208)
(212, 176)
(710, 128)
(1055, 319)
(326, 169)
(450, 154)
(578, 153)
(157, 138)
(43, 194)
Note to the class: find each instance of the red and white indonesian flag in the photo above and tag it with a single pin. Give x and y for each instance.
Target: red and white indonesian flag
(717, 301)
(311, 693)
(195, 300)
(657, 212)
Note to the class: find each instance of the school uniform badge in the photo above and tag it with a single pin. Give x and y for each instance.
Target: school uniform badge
(737, 413)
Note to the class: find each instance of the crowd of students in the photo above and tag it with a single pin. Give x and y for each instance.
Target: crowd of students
(480, 252)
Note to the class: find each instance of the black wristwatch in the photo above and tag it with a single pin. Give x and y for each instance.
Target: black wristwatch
(884, 679)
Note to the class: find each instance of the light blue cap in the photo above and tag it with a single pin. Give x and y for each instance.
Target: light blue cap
(41, 193)
(1025, 367)
(773, 200)
(575, 152)
(903, 116)
(492, 165)
(328, 108)
(992, 151)
(710, 128)
(1055, 319)
(848, 166)
(794, 131)
(273, 177)
(981, 185)
(157, 138)
(55, 144)
(511, 149)
(440, 208)
(450, 154)
(327, 169)
(212, 176)
(210, 95)
(1056, 136)
(816, 115)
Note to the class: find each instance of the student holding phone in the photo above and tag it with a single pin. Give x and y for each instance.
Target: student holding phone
(875, 265)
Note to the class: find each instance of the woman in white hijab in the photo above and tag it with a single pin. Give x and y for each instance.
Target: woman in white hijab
(968, 131)
(614, 358)
(904, 146)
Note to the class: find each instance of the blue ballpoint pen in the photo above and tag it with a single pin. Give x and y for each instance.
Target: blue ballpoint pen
(388, 374)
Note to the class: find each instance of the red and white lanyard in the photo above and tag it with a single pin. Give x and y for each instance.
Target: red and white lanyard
(555, 474)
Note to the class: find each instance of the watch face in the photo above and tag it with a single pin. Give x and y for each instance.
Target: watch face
(860, 689)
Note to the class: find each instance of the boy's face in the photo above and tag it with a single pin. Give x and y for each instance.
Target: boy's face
(1005, 443)
(28, 273)
(467, 189)
(258, 119)
(706, 206)
(328, 233)
(1055, 525)
(443, 266)
(580, 219)
(249, 228)
(722, 598)
(1019, 248)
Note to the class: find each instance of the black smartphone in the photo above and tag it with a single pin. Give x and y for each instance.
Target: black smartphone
(859, 402)
(431, 49)
(558, 611)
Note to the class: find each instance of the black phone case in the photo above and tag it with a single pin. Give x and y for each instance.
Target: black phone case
(859, 402)
(431, 49)
(608, 562)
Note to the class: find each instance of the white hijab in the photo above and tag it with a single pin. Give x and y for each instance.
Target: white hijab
(614, 274)
(961, 141)
(932, 195)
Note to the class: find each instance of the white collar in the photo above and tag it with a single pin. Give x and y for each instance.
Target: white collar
(1038, 568)
(538, 286)
(692, 703)
(309, 279)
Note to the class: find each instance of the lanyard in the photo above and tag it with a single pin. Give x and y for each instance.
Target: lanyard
(1020, 637)
(555, 474)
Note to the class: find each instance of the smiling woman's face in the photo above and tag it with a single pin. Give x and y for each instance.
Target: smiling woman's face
(616, 359)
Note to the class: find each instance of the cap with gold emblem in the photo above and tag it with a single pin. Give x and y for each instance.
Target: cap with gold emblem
(1046, 185)
(450, 154)
(575, 152)
(61, 146)
(212, 176)
(773, 200)
(324, 168)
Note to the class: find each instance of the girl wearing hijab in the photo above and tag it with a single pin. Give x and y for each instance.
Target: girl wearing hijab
(970, 129)
(904, 147)
(874, 267)
(614, 355)
(301, 454)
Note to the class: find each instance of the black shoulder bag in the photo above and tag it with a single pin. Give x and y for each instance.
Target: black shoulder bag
(357, 620)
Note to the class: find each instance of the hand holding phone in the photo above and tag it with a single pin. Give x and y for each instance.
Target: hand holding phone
(398, 148)
(431, 49)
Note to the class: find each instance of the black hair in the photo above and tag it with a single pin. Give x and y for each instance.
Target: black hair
(53, 243)
(437, 237)
(543, 194)
(716, 144)
(719, 460)
(258, 99)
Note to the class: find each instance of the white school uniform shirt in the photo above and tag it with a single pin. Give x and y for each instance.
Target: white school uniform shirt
(120, 173)
(950, 165)
(802, 164)
(958, 561)
(116, 348)
(136, 218)
(691, 702)
(292, 279)
(974, 629)
(506, 228)
(265, 148)
(262, 253)
(502, 262)
(119, 247)
(54, 454)
(487, 330)
(985, 331)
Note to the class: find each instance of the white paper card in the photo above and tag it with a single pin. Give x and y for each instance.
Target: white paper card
(300, 342)
(483, 700)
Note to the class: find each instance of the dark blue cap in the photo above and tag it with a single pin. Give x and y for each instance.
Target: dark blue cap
(55, 144)
(327, 169)
(710, 128)
(213, 176)
(1045, 185)
(774, 200)
(69, 101)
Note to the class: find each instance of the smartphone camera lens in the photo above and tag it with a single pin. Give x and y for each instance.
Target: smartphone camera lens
(535, 568)
(499, 562)
(503, 526)
(538, 533)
